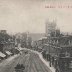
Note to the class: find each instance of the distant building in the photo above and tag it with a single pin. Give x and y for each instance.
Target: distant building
(50, 27)
(3, 31)
(18, 38)
(57, 32)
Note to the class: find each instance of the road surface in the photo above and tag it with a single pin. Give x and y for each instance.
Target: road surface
(31, 61)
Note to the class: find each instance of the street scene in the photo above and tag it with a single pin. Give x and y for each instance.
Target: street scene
(31, 61)
(35, 36)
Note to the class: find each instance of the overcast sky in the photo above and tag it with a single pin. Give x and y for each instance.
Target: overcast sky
(30, 15)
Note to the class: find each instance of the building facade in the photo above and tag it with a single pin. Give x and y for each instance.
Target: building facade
(50, 27)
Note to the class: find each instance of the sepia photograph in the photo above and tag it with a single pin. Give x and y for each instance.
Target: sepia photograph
(35, 35)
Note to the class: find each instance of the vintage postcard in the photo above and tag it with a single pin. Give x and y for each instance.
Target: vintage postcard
(35, 36)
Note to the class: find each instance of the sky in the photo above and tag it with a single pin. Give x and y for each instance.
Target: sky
(31, 15)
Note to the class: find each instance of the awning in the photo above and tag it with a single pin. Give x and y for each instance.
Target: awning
(2, 55)
(9, 53)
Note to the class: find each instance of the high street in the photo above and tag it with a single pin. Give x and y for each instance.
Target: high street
(31, 61)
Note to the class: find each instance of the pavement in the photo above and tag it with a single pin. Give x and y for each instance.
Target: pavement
(45, 61)
(6, 61)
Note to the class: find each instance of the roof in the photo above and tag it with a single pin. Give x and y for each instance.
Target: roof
(43, 38)
(53, 46)
(9, 53)
(2, 55)
(61, 37)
